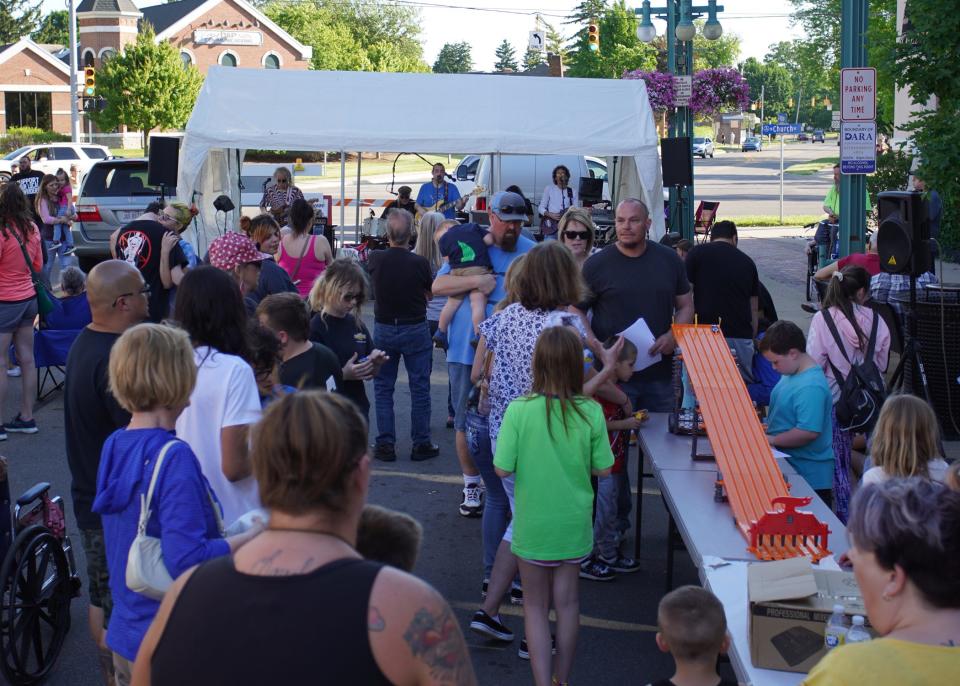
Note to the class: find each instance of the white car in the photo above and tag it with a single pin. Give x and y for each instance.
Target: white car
(50, 157)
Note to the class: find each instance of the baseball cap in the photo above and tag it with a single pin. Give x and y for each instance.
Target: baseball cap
(510, 207)
(405, 191)
(233, 249)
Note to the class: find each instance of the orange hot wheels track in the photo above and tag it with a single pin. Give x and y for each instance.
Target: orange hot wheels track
(765, 512)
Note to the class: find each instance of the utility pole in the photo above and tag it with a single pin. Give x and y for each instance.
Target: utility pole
(853, 53)
(74, 110)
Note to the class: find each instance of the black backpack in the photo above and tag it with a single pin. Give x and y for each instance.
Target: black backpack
(863, 391)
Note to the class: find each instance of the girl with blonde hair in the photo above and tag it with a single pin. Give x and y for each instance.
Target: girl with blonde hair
(906, 442)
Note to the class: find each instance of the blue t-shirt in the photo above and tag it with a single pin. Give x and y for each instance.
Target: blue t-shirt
(463, 247)
(430, 194)
(803, 401)
(461, 328)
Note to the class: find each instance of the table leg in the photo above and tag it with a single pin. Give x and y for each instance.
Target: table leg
(671, 546)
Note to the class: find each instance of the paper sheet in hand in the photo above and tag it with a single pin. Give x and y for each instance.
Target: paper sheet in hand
(641, 336)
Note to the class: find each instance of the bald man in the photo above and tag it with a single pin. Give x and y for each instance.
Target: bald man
(118, 300)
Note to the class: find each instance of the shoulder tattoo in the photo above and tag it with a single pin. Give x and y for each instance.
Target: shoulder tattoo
(435, 639)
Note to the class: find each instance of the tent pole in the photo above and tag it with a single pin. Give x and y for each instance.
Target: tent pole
(343, 186)
(359, 160)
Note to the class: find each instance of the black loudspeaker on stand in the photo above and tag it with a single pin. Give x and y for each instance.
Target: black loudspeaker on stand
(676, 161)
(163, 164)
(903, 242)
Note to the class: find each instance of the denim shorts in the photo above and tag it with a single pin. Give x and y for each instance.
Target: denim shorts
(14, 315)
(460, 386)
(98, 584)
(556, 563)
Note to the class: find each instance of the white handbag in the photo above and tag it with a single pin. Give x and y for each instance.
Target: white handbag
(146, 572)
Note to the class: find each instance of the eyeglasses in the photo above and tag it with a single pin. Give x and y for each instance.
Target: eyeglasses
(283, 180)
(143, 291)
(577, 235)
(352, 297)
(164, 217)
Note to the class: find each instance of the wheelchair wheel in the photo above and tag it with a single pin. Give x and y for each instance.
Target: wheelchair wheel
(35, 594)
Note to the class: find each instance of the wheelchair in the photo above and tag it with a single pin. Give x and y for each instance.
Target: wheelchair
(38, 581)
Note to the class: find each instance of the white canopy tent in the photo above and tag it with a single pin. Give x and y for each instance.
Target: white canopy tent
(241, 109)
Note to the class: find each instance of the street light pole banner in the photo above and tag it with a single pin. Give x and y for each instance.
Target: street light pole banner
(858, 147)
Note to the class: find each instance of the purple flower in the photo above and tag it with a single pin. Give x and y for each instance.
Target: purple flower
(659, 87)
(714, 90)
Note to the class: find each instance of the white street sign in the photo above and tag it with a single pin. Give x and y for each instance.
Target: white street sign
(835, 120)
(858, 147)
(537, 41)
(682, 90)
(858, 94)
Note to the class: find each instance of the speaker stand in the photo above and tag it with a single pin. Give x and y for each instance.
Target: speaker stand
(911, 351)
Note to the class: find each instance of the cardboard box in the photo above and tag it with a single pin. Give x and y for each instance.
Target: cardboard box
(790, 603)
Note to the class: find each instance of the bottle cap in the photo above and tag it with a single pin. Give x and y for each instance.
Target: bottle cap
(858, 620)
(838, 608)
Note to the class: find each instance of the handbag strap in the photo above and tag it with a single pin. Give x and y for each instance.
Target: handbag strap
(145, 501)
(296, 269)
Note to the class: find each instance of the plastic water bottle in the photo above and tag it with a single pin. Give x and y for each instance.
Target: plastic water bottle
(857, 633)
(836, 628)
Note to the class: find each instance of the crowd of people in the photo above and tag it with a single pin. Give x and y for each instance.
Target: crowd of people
(217, 407)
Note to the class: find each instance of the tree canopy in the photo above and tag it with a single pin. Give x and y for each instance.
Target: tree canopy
(146, 86)
(713, 54)
(620, 49)
(18, 18)
(769, 80)
(353, 35)
(453, 58)
(506, 57)
(54, 28)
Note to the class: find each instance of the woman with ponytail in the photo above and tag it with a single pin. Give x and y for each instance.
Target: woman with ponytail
(845, 305)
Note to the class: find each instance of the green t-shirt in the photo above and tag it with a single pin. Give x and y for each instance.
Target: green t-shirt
(554, 498)
(833, 200)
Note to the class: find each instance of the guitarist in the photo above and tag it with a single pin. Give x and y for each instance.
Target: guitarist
(437, 193)
(558, 197)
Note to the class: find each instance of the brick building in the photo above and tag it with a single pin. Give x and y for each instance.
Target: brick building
(35, 79)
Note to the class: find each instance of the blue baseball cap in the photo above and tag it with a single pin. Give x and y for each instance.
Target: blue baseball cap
(510, 207)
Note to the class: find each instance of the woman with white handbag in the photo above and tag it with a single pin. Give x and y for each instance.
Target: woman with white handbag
(160, 516)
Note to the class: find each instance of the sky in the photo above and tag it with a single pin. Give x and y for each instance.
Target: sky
(485, 23)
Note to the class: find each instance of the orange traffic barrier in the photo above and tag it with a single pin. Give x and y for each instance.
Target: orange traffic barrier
(765, 512)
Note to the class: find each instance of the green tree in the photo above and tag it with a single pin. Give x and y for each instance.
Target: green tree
(587, 10)
(17, 19)
(711, 54)
(453, 58)
(506, 57)
(353, 35)
(555, 41)
(926, 60)
(532, 59)
(771, 80)
(620, 50)
(147, 86)
(54, 29)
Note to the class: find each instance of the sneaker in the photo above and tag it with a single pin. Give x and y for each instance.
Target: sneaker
(19, 426)
(484, 624)
(807, 307)
(483, 591)
(14, 372)
(450, 422)
(516, 594)
(595, 570)
(70, 250)
(3, 437)
(385, 452)
(471, 505)
(55, 245)
(524, 653)
(622, 564)
(424, 451)
(440, 340)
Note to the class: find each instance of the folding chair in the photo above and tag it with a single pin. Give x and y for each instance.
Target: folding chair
(704, 218)
(52, 341)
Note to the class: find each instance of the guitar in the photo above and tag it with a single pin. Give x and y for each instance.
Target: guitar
(442, 207)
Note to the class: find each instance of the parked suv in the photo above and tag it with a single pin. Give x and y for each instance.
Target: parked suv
(114, 192)
(818, 136)
(53, 156)
(703, 146)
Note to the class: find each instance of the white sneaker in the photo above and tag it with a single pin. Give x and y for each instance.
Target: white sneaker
(471, 505)
(14, 372)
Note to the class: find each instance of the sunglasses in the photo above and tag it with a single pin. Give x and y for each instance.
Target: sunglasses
(575, 235)
(283, 180)
(352, 297)
(143, 291)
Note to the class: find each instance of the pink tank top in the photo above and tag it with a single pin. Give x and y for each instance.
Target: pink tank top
(310, 267)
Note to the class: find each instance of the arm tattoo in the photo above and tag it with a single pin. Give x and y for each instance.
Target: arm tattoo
(435, 639)
(375, 620)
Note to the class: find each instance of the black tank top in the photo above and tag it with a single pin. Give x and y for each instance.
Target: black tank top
(233, 628)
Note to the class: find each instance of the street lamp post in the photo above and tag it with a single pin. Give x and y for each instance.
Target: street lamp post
(679, 15)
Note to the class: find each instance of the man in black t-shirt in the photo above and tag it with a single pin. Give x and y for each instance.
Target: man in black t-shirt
(306, 365)
(726, 290)
(402, 283)
(117, 297)
(154, 249)
(29, 182)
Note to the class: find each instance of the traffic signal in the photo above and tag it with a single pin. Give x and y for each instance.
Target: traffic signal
(593, 37)
(89, 81)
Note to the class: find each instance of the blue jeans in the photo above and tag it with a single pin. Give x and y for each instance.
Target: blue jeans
(65, 261)
(605, 523)
(496, 507)
(653, 396)
(412, 342)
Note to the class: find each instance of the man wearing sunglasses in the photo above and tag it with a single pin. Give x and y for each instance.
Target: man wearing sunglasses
(507, 213)
(118, 300)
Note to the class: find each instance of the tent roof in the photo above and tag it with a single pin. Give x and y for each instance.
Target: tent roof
(456, 113)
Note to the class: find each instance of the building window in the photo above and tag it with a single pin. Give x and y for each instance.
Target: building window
(186, 58)
(88, 58)
(228, 59)
(28, 109)
(106, 54)
(271, 61)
